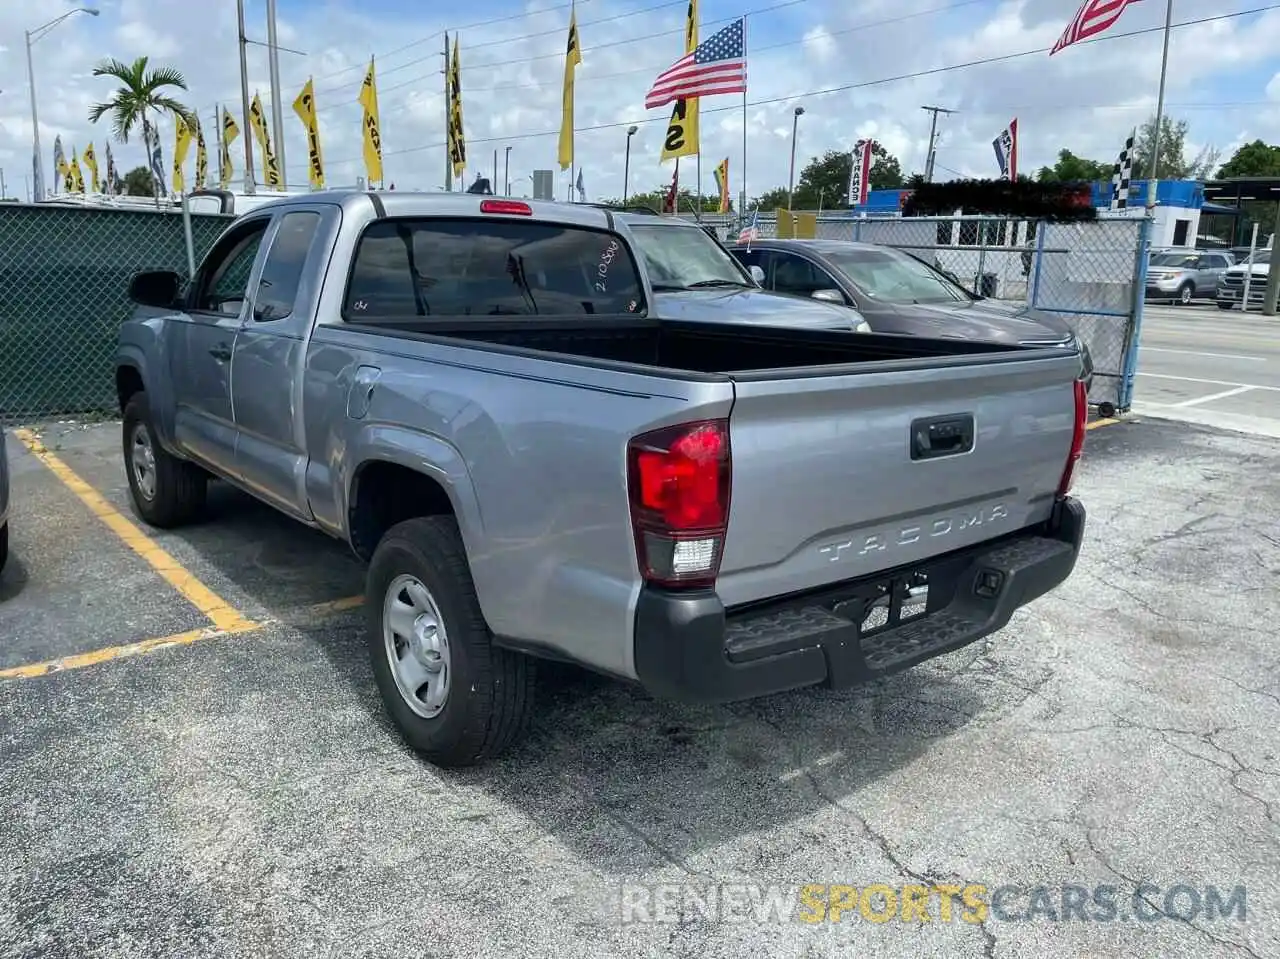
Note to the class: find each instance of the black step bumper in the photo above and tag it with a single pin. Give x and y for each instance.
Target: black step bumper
(687, 649)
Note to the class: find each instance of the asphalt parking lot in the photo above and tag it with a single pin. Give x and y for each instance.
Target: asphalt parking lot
(194, 761)
(1216, 367)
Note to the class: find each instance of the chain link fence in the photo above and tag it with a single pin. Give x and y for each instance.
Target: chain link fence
(64, 275)
(1089, 275)
(64, 279)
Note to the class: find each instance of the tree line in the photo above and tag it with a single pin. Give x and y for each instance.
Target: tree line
(824, 181)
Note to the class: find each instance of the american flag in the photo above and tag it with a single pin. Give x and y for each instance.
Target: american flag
(1092, 18)
(752, 230)
(717, 65)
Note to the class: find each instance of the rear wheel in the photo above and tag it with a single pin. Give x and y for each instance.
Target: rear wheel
(1225, 306)
(4, 545)
(165, 491)
(456, 697)
(1185, 293)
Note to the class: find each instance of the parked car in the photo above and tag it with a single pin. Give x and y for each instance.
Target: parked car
(1185, 276)
(897, 292)
(695, 277)
(475, 394)
(1231, 290)
(4, 502)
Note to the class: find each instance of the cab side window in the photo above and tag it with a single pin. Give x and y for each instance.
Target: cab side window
(282, 271)
(223, 280)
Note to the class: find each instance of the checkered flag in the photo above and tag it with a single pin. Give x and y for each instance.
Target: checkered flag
(1120, 176)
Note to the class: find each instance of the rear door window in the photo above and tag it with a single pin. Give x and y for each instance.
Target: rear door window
(407, 268)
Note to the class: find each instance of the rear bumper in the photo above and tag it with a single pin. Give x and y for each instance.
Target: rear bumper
(688, 649)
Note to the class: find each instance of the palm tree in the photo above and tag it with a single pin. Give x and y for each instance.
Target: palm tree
(141, 91)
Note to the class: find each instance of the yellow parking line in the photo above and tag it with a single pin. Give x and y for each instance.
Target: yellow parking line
(1103, 422)
(224, 617)
(334, 606)
(94, 657)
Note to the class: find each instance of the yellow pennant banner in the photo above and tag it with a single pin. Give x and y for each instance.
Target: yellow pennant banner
(682, 132)
(572, 57)
(202, 158)
(91, 161)
(258, 118)
(457, 140)
(181, 144)
(372, 127)
(305, 108)
(230, 131)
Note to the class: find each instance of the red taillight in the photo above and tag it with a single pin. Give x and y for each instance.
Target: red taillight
(678, 482)
(506, 206)
(1077, 438)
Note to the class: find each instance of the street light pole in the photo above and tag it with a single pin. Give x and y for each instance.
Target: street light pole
(791, 180)
(626, 164)
(33, 37)
(506, 173)
(277, 97)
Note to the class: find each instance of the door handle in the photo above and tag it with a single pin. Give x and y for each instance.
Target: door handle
(941, 436)
(221, 353)
(361, 394)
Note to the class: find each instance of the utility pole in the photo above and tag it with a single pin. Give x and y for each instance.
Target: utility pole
(4, 193)
(933, 137)
(246, 128)
(448, 121)
(277, 104)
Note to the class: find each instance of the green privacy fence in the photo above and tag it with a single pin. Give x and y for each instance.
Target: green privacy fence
(64, 276)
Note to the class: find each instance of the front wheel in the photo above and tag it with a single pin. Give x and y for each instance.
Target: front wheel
(456, 697)
(1185, 293)
(165, 491)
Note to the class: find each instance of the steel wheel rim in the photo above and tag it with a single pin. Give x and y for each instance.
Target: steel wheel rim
(142, 460)
(1185, 295)
(416, 646)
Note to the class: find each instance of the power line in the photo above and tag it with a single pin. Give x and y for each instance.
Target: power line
(843, 88)
(656, 68)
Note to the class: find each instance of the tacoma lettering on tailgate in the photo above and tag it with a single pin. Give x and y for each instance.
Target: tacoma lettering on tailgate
(907, 535)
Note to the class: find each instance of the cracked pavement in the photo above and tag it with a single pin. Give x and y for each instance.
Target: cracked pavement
(246, 797)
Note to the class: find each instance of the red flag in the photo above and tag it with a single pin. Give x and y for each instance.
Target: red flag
(1092, 18)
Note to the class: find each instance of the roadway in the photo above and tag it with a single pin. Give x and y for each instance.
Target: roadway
(1205, 365)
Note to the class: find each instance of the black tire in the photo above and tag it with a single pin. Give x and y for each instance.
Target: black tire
(490, 690)
(4, 545)
(1225, 306)
(180, 487)
(1185, 293)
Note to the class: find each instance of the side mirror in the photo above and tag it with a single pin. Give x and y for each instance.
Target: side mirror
(158, 288)
(757, 274)
(828, 296)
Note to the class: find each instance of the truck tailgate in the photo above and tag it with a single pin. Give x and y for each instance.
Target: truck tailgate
(839, 476)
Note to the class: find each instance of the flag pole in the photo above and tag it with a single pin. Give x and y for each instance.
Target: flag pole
(1152, 181)
(743, 211)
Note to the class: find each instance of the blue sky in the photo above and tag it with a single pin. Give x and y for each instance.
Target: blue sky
(1086, 98)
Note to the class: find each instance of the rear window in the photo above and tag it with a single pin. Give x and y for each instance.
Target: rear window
(489, 267)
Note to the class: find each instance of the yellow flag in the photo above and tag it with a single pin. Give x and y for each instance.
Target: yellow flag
(258, 119)
(372, 128)
(722, 183)
(77, 178)
(457, 141)
(202, 158)
(572, 57)
(305, 108)
(91, 161)
(682, 132)
(181, 144)
(230, 131)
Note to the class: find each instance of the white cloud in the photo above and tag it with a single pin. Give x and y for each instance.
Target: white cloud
(858, 69)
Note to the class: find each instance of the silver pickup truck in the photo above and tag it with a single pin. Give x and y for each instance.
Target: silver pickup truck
(474, 394)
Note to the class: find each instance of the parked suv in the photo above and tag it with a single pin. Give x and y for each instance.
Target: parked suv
(1184, 276)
